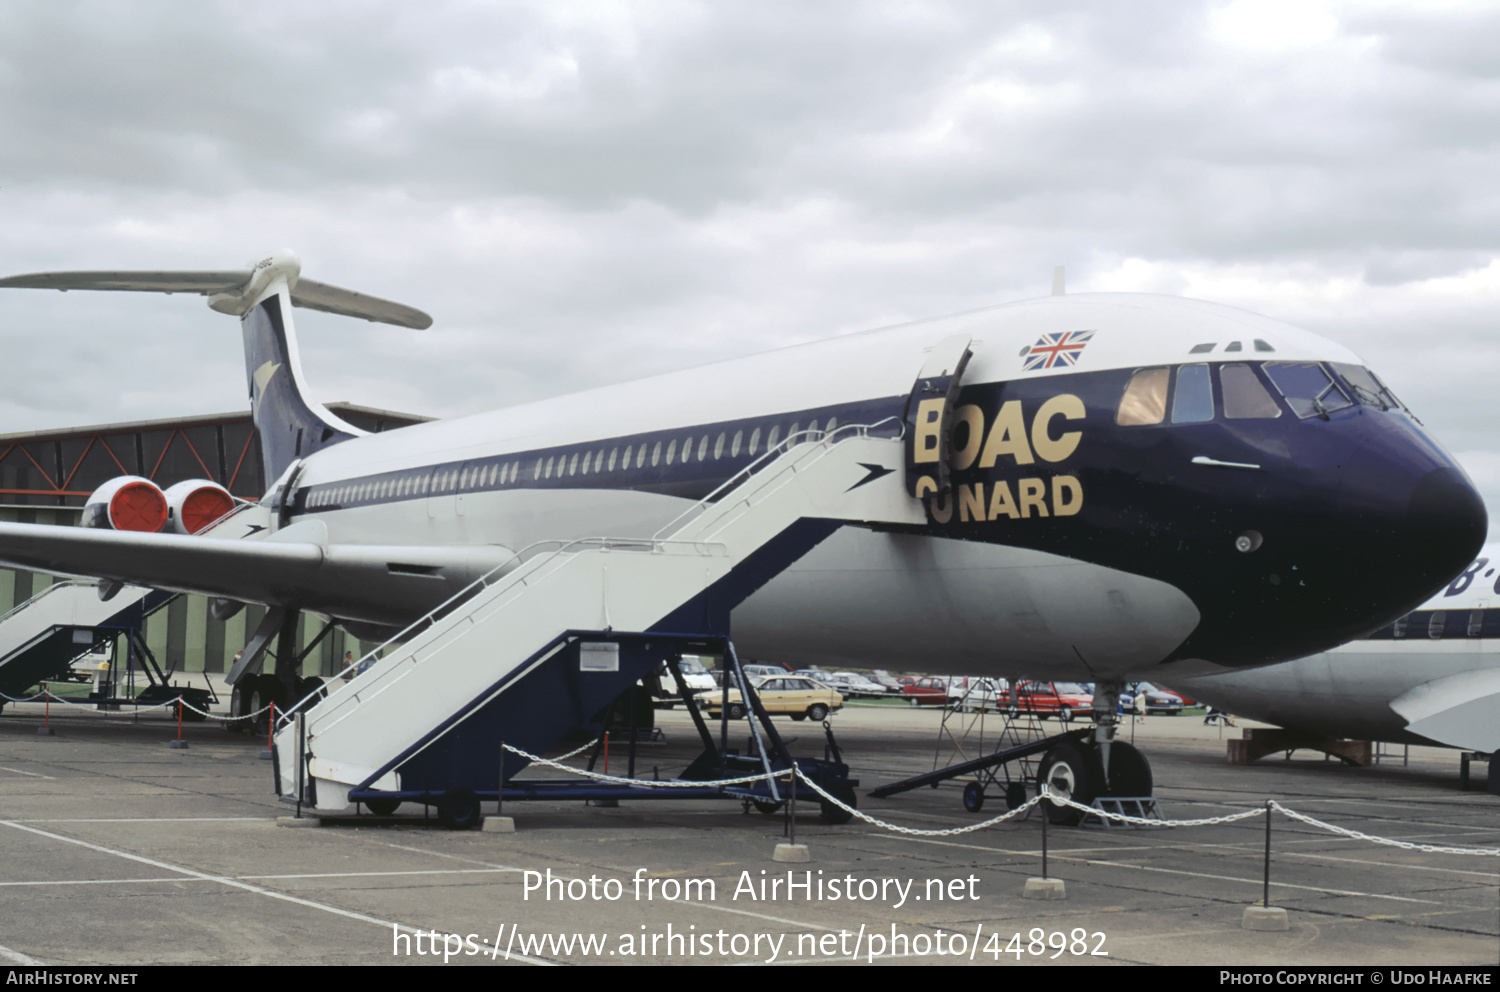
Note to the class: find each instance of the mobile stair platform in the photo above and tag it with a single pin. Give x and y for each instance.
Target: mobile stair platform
(540, 645)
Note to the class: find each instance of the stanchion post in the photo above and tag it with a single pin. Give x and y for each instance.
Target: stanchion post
(45, 730)
(500, 797)
(791, 851)
(792, 815)
(1045, 818)
(1044, 887)
(179, 744)
(1265, 916)
(1265, 892)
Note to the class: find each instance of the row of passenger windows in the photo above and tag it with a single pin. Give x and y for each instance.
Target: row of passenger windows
(1310, 389)
(1440, 624)
(685, 450)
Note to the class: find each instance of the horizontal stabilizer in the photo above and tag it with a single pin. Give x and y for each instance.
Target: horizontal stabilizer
(229, 283)
(347, 303)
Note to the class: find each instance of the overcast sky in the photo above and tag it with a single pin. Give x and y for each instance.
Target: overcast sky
(585, 192)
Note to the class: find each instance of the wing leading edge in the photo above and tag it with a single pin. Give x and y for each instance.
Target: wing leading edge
(293, 568)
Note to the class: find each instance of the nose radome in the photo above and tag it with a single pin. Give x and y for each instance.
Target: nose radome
(1447, 525)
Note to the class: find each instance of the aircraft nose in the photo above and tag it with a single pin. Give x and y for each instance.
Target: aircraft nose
(1446, 526)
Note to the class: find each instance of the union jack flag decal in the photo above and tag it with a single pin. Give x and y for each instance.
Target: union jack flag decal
(1053, 350)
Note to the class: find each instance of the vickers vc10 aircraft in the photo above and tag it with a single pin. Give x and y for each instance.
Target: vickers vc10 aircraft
(1088, 487)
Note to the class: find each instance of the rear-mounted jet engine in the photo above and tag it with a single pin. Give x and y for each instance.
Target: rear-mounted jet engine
(127, 503)
(194, 505)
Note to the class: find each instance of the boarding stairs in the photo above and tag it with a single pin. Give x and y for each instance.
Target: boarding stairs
(41, 638)
(543, 643)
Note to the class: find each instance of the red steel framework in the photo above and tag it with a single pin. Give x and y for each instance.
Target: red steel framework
(231, 462)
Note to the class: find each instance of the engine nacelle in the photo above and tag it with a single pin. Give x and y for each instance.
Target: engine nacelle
(194, 504)
(127, 503)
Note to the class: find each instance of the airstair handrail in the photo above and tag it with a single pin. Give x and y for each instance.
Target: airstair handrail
(525, 556)
(44, 593)
(773, 453)
(532, 556)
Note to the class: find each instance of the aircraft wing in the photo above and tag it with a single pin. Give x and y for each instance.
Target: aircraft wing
(293, 567)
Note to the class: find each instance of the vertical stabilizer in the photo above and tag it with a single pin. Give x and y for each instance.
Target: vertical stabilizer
(262, 295)
(290, 425)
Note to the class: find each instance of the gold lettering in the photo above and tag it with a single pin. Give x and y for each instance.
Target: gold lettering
(1033, 494)
(1056, 449)
(969, 414)
(925, 485)
(1001, 502)
(1061, 485)
(971, 502)
(1007, 437)
(929, 442)
(942, 512)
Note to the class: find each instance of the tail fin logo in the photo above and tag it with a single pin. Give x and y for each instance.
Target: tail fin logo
(263, 376)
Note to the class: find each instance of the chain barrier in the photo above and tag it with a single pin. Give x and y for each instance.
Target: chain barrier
(136, 708)
(1260, 811)
(873, 820)
(1403, 844)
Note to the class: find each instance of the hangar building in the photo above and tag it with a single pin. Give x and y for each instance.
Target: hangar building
(47, 476)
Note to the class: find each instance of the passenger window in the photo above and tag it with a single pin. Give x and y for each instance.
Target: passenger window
(1145, 398)
(703, 447)
(754, 440)
(1193, 402)
(832, 423)
(771, 441)
(719, 448)
(1244, 397)
(1435, 624)
(734, 446)
(671, 450)
(1476, 623)
(612, 453)
(1307, 388)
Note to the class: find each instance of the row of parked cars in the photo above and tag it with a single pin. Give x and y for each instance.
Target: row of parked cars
(814, 693)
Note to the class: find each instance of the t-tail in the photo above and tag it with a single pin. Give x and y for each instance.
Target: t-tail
(262, 295)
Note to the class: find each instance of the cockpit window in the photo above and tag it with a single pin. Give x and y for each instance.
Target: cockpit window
(1244, 397)
(1145, 398)
(1308, 388)
(1193, 402)
(1367, 389)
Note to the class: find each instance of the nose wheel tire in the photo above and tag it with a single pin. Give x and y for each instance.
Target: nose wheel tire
(973, 797)
(1072, 773)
